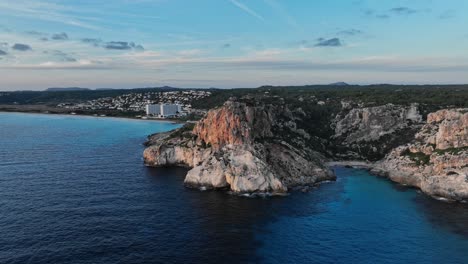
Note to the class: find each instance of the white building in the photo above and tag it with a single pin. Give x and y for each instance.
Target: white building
(163, 110)
(168, 110)
(153, 109)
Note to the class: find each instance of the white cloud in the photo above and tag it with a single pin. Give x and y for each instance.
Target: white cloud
(190, 52)
(283, 13)
(46, 11)
(268, 52)
(246, 9)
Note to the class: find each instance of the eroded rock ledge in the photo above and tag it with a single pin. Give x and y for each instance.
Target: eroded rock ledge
(437, 159)
(251, 147)
(369, 133)
(239, 147)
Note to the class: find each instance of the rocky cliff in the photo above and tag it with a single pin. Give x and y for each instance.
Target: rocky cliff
(244, 146)
(248, 146)
(437, 159)
(369, 133)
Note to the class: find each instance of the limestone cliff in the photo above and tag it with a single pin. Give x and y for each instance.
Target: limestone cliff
(248, 146)
(371, 132)
(437, 159)
(238, 146)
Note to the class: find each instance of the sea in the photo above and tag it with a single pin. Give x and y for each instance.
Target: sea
(74, 189)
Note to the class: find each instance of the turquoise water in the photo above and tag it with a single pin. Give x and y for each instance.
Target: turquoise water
(370, 220)
(75, 190)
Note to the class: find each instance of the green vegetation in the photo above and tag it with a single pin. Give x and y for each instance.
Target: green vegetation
(205, 145)
(183, 132)
(190, 117)
(418, 157)
(452, 151)
(315, 106)
(432, 145)
(319, 104)
(53, 98)
(430, 97)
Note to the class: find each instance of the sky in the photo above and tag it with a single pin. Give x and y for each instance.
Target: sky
(231, 43)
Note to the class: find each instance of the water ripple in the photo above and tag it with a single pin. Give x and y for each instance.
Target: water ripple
(74, 190)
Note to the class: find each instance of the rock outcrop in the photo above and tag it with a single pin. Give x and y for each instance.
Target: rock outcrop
(238, 147)
(437, 160)
(251, 147)
(371, 132)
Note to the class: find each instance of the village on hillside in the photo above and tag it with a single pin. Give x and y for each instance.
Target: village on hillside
(167, 104)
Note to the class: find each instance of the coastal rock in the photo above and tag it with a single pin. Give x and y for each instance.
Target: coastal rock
(453, 126)
(250, 147)
(168, 150)
(437, 160)
(238, 146)
(234, 124)
(371, 132)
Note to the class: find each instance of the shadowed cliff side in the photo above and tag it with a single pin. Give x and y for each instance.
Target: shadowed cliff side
(242, 146)
(369, 133)
(437, 159)
(269, 145)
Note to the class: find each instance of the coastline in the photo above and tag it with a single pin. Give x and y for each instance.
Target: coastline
(94, 116)
(112, 167)
(377, 171)
(352, 163)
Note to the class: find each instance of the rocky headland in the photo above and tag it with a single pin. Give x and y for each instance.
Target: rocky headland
(250, 146)
(436, 160)
(242, 146)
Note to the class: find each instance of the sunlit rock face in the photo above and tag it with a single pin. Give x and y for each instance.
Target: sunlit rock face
(236, 147)
(249, 147)
(437, 160)
(453, 128)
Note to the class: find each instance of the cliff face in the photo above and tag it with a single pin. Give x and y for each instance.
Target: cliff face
(249, 147)
(371, 132)
(437, 160)
(453, 126)
(238, 147)
(235, 124)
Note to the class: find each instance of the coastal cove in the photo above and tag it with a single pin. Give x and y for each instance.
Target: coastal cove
(74, 189)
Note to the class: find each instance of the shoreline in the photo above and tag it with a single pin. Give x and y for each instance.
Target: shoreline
(379, 172)
(352, 163)
(97, 116)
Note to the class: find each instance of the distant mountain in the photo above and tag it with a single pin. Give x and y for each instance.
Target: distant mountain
(67, 89)
(168, 87)
(104, 89)
(161, 88)
(339, 84)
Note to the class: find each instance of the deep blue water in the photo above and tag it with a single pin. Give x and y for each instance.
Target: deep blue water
(74, 190)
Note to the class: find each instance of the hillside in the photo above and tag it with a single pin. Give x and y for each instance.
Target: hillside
(274, 139)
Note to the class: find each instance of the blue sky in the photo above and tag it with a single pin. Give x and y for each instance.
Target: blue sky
(230, 43)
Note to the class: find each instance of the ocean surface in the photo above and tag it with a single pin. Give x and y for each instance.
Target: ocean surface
(75, 190)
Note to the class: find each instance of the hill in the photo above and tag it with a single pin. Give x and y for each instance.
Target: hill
(60, 89)
(339, 84)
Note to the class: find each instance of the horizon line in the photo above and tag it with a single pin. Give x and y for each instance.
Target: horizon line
(341, 84)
